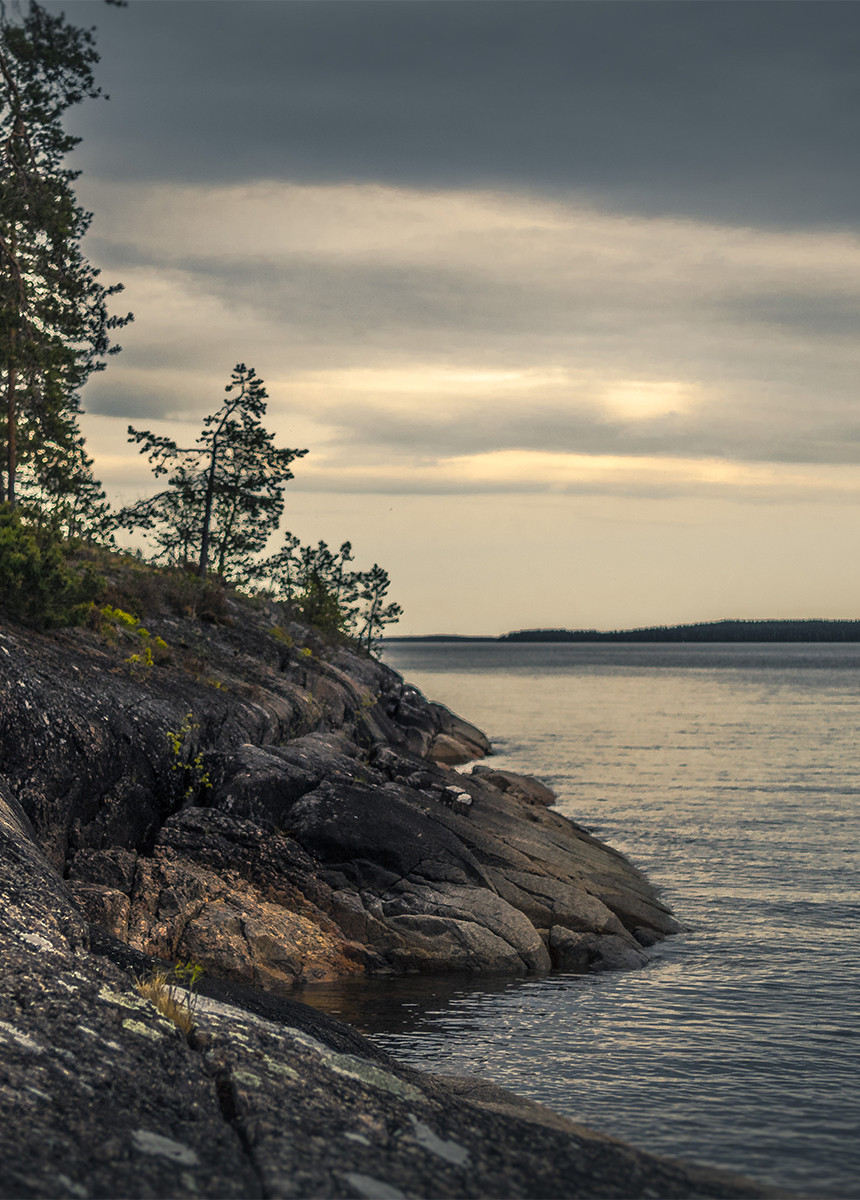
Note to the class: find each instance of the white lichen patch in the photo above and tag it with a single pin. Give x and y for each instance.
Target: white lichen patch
(452, 1152)
(357, 1137)
(356, 1068)
(36, 939)
(72, 1188)
(100, 1038)
(111, 997)
(9, 1033)
(144, 1030)
(148, 1142)
(366, 1072)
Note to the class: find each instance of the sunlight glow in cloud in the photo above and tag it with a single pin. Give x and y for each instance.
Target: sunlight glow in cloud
(639, 399)
(448, 346)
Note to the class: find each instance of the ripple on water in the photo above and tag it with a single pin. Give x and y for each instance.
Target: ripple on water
(731, 775)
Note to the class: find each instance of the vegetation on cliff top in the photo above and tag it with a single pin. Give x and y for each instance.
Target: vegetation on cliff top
(224, 495)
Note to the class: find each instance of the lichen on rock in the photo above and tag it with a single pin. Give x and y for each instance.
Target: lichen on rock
(324, 841)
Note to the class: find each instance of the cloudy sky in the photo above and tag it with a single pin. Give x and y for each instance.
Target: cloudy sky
(562, 297)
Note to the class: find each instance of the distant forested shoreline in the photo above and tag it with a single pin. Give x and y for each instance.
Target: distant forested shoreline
(707, 631)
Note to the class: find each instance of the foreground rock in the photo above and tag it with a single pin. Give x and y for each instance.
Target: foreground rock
(101, 1096)
(283, 814)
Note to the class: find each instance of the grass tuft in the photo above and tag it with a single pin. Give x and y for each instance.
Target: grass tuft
(162, 988)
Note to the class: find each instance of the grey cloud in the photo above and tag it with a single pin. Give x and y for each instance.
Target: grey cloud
(741, 112)
(130, 400)
(656, 488)
(541, 428)
(437, 312)
(349, 298)
(785, 395)
(832, 316)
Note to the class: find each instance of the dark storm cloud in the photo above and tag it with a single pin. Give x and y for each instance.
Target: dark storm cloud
(745, 112)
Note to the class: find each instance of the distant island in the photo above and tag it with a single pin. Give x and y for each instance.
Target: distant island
(706, 631)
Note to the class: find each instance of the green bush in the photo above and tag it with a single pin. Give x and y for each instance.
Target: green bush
(37, 587)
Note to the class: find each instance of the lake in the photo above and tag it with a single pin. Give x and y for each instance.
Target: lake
(731, 775)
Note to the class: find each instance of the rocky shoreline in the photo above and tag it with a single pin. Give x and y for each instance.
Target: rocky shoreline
(281, 813)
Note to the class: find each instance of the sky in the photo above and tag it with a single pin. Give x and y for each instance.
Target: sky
(562, 297)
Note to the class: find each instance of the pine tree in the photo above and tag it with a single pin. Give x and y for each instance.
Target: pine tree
(61, 493)
(54, 323)
(225, 495)
(376, 613)
(314, 582)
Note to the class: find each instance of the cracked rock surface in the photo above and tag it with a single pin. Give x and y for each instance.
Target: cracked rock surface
(284, 813)
(279, 813)
(102, 1096)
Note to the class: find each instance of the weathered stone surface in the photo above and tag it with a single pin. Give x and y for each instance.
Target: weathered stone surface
(315, 850)
(101, 1096)
(524, 787)
(271, 823)
(457, 741)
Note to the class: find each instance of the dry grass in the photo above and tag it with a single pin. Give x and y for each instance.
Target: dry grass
(162, 992)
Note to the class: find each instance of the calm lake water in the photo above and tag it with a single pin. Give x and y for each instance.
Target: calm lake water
(731, 775)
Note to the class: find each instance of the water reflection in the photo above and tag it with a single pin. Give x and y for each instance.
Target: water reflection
(398, 1004)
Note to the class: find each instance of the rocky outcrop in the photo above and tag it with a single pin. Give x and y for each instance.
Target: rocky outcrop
(102, 1096)
(285, 814)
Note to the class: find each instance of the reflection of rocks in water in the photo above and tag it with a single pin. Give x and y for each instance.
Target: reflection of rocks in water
(398, 1004)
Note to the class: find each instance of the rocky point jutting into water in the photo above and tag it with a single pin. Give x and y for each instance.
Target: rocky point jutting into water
(279, 812)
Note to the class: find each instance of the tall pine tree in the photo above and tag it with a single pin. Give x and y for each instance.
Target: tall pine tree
(55, 327)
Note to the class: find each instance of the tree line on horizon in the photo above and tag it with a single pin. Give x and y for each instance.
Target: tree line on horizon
(766, 630)
(223, 497)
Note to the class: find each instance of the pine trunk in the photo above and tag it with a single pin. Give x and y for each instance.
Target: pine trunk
(11, 434)
(207, 513)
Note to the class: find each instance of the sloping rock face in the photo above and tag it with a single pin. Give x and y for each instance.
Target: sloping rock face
(102, 1096)
(278, 813)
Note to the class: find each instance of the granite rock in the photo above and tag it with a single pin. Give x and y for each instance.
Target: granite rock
(103, 1096)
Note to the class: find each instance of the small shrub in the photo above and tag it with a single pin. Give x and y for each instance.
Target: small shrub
(115, 624)
(140, 665)
(195, 776)
(37, 587)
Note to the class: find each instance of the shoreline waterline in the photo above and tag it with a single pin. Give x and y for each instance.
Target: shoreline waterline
(729, 775)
